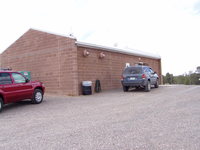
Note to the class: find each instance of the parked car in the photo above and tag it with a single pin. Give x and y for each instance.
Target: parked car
(15, 87)
(139, 76)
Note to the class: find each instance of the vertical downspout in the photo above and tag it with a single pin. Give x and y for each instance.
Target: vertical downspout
(77, 73)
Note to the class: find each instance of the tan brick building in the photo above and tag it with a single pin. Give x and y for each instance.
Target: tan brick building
(62, 63)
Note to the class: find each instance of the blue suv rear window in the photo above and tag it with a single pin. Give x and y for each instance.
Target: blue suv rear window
(133, 70)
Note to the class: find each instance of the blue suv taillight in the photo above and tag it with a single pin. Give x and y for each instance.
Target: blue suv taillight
(144, 76)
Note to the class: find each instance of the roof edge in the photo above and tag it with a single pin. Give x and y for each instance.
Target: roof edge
(49, 32)
(119, 50)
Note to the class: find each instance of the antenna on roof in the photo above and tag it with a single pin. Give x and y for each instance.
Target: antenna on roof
(71, 34)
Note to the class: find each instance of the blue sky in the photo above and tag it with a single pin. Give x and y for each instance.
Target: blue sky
(170, 28)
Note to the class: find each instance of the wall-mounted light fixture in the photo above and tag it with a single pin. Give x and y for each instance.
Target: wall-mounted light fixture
(86, 53)
(101, 55)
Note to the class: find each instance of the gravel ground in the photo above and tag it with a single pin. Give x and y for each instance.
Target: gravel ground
(166, 118)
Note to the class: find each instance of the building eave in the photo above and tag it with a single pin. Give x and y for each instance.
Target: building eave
(118, 50)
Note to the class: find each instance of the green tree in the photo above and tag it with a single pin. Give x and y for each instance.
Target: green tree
(198, 69)
(194, 78)
(180, 79)
(187, 80)
(172, 79)
(169, 78)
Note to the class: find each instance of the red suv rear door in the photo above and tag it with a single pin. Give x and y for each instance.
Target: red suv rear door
(6, 87)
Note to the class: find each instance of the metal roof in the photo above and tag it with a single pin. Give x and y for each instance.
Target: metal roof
(119, 50)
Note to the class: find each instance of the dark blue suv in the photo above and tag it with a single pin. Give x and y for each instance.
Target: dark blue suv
(139, 77)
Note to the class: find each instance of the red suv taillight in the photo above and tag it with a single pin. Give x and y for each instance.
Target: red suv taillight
(143, 76)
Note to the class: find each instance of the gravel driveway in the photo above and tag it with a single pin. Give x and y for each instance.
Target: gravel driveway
(166, 118)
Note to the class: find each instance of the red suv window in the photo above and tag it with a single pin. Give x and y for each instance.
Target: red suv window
(18, 78)
(5, 78)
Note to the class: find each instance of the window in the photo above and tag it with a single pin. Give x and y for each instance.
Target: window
(5, 78)
(132, 70)
(151, 71)
(146, 70)
(18, 78)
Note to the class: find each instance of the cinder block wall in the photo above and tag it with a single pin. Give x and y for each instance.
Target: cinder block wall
(51, 59)
(109, 69)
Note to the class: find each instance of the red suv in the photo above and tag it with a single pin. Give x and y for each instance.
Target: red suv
(15, 87)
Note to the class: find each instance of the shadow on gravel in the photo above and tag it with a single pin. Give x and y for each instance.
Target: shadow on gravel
(139, 89)
(16, 105)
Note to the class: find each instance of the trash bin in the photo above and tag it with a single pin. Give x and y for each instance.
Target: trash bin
(87, 87)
